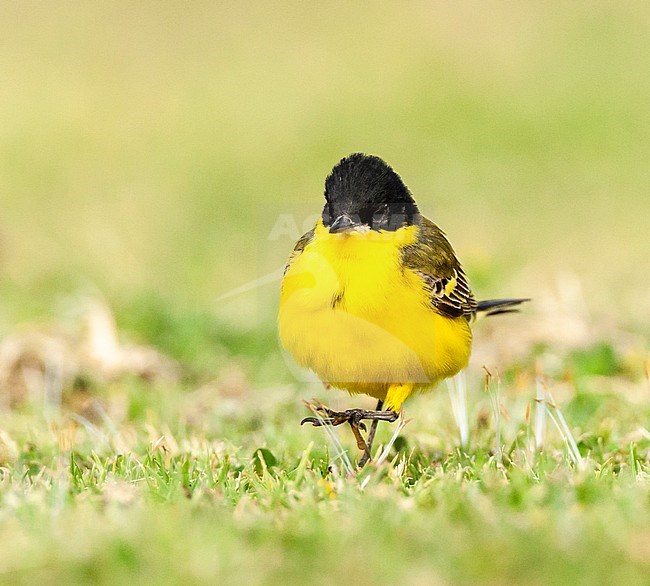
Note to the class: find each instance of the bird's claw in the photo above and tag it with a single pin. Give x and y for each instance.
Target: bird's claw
(326, 416)
(320, 421)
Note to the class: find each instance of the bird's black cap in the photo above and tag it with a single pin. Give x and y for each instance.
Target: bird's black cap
(363, 190)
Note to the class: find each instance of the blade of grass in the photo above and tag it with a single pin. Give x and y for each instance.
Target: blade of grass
(339, 450)
(457, 387)
(540, 414)
(382, 457)
(566, 432)
(494, 382)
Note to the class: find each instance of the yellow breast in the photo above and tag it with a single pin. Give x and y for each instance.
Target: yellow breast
(350, 312)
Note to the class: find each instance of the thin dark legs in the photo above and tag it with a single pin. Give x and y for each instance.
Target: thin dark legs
(326, 416)
(367, 454)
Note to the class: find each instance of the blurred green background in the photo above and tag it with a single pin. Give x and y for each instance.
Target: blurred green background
(148, 149)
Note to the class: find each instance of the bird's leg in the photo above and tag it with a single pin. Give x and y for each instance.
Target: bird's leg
(326, 416)
(371, 437)
(356, 425)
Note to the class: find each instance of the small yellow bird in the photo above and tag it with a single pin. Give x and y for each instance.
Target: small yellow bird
(373, 298)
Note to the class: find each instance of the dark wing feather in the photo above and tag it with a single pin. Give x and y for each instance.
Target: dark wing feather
(434, 260)
(304, 240)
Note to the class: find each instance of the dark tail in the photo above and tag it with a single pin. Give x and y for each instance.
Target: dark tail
(497, 306)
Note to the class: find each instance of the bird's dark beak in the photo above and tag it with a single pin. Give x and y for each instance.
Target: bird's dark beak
(341, 224)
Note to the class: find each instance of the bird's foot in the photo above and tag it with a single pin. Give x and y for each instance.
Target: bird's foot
(326, 416)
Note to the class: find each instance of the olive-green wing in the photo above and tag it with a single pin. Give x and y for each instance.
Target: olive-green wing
(433, 259)
(304, 240)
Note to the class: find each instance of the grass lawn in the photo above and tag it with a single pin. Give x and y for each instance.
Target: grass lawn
(156, 166)
(214, 487)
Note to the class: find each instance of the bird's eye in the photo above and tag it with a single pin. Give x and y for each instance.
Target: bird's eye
(378, 217)
(365, 215)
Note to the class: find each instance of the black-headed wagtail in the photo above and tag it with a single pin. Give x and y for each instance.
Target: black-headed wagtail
(373, 298)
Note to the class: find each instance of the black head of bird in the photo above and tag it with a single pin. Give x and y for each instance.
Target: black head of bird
(364, 193)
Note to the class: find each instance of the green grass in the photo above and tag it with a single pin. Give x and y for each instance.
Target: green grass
(146, 154)
(176, 497)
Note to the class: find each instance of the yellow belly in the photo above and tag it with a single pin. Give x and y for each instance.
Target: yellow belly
(350, 313)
